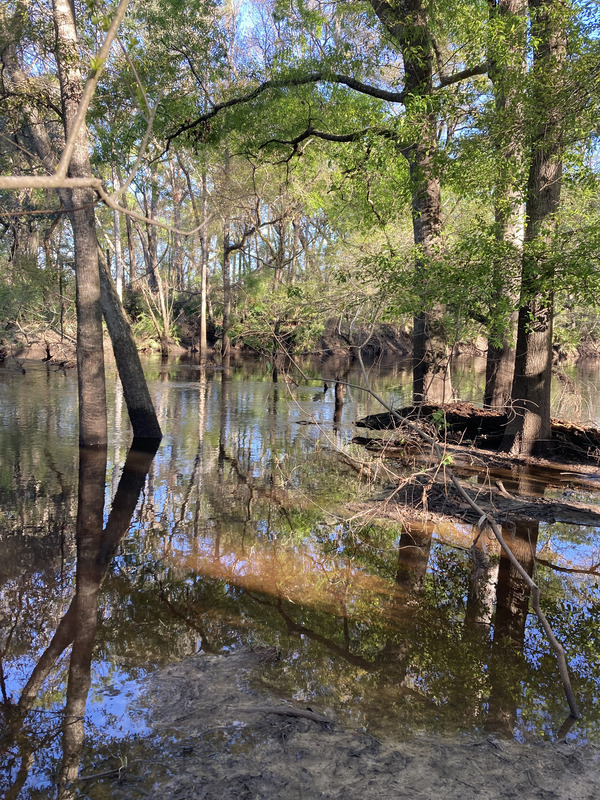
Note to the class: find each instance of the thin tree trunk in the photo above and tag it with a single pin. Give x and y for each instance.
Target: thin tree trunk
(178, 254)
(163, 328)
(150, 242)
(117, 237)
(225, 343)
(201, 222)
(204, 266)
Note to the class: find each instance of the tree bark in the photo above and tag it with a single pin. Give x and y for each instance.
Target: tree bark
(142, 415)
(407, 22)
(204, 266)
(90, 350)
(201, 222)
(227, 250)
(152, 233)
(117, 237)
(506, 72)
(529, 432)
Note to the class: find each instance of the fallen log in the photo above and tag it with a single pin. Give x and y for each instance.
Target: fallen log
(484, 428)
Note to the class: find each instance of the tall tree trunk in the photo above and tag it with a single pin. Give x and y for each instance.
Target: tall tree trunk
(204, 265)
(407, 22)
(506, 72)
(90, 351)
(529, 431)
(227, 250)
(201, 222)
(431, 359)
(162, 324)
(151, 246)
(130, 246)
(178, 254)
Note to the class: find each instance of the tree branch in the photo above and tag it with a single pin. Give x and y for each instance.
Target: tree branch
(283, 83)
(90, 87)
(463, 75)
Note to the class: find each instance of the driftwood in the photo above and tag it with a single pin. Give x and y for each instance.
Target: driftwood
(505, 507)
(484, 428)
(499, 467)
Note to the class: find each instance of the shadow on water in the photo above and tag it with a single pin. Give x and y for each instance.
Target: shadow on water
(242, 532)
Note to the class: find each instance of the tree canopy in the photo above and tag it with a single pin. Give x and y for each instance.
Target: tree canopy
(260, 170)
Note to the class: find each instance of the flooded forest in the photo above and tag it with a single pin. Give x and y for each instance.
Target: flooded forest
(260, 532)
(299, 399)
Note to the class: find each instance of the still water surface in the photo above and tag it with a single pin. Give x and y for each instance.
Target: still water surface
(243, 531)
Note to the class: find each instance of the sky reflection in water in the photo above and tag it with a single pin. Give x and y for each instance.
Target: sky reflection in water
(244, 534)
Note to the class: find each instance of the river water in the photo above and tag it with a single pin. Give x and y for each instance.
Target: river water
(245, 530)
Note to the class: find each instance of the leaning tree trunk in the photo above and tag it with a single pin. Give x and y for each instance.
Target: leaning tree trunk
(142, 415)
(90, 351)
(529, 431)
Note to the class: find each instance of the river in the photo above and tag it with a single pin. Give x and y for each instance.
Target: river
(246, 531)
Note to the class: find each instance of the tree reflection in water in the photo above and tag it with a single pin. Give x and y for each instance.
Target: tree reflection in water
(242, 538)
(96, 548)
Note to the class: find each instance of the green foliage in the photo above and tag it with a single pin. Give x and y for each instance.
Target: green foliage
(287, 317)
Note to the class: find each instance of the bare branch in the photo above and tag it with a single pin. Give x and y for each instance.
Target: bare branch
(48, 182)
(90, 87)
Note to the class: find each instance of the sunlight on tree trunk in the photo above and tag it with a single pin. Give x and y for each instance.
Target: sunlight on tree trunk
(90, 349)
(529, 431)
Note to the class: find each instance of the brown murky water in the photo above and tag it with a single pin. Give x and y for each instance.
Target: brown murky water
(238, 534)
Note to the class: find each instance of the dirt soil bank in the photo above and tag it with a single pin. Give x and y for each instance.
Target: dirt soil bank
(214, 739)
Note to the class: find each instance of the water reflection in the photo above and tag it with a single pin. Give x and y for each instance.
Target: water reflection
(238, 533)
(96, 546)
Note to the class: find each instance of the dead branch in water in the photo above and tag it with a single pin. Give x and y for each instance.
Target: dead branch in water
(488, 520)
(485, 518)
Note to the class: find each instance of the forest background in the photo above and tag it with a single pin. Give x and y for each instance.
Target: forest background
(280, 175)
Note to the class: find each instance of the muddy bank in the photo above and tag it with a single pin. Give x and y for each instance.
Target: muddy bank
(213, 736)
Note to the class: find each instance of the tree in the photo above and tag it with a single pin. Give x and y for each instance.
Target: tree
(507, 68)
(409, 31)
(529, 431)
(76, 191)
